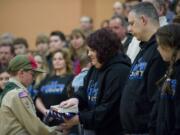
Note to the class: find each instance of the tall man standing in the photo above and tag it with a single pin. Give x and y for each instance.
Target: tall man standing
(139, 98)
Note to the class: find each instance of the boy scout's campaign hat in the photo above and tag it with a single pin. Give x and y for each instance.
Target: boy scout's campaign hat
(24, 62)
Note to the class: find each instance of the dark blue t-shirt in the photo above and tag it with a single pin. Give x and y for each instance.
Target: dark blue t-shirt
(53, 89)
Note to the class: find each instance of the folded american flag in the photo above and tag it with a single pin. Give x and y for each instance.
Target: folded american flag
(58, 114)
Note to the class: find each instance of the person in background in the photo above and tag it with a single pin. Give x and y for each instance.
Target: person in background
(77, 48)
(53, 89)
(57, 40)
(86, 25)
(129, 4)
(20, 46)
(169, 14)
(105, 24)
(119, 25)
(7, 38)
(6, 54)
(161, 9)
(78, 80)
(17, 111)
(133, 48)
(4, 77)
(42, 45)
(99, 98)
(168, 119)
(118, 8)
(41, 63)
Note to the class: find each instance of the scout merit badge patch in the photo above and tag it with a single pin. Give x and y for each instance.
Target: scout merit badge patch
(23, 94)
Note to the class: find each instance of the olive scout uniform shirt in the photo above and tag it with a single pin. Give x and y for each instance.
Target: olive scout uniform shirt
(18, 116)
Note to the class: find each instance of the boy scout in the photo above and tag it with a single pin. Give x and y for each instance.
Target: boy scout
(17, 112)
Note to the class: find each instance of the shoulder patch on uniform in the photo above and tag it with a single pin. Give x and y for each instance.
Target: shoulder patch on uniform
(23, 94)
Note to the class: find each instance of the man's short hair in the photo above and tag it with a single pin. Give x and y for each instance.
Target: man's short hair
(42, 39)
(124, 22)
(147, 9)
(7, 38)
(22, 41)
(59, 34)
(10, 47)
(86, 19)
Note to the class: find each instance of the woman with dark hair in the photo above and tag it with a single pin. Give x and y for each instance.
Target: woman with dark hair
(168, 120)
(4, 77)
(99, 98)
(53, 89)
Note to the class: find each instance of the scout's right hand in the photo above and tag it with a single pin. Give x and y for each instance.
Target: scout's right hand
(69, 103)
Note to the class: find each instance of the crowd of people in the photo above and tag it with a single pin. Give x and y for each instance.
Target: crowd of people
(123, 77)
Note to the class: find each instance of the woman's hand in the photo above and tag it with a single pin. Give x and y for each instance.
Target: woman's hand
(69, 123)
(69, 103)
